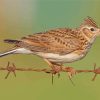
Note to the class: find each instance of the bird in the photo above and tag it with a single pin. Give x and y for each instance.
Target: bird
(58, 46)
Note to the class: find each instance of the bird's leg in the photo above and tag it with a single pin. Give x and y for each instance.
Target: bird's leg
(56, 68)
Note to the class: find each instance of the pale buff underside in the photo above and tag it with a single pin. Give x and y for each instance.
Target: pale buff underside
(53, 57)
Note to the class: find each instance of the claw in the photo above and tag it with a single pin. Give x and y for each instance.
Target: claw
(55, 70)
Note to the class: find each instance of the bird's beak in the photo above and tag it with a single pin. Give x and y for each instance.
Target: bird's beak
(99, 31)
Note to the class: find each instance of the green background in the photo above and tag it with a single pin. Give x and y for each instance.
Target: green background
(23, 17)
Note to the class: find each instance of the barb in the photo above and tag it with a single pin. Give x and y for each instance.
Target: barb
(11, 68)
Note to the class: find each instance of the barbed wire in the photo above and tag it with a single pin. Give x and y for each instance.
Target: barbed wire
(11, 68)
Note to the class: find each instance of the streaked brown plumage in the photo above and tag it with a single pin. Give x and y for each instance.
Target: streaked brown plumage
(58, 41)
(60, 45)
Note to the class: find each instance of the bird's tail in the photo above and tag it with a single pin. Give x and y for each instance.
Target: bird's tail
(10, 51)
(16, 51)
(11, 41)
(7, 53)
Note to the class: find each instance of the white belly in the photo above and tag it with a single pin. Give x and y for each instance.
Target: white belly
(61, 58)
(71, 57)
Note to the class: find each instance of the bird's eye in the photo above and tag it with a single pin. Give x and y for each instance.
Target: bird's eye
(92, 29)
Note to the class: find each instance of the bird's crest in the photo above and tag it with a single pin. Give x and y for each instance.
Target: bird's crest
(89, 21)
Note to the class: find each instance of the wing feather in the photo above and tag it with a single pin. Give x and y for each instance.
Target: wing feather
(61, 41)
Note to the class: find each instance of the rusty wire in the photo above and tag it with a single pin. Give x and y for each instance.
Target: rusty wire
(11, 68)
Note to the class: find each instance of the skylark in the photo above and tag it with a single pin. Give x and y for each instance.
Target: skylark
(58, 46)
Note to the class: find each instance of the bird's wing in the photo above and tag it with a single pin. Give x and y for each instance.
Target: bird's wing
(61, 41)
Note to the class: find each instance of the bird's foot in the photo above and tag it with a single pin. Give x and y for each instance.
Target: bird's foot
(56, 69)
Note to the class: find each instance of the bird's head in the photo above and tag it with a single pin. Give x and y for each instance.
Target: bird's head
(89, 28)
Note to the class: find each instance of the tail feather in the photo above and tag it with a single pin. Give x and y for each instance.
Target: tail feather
(11, 41)
(7, 53)
(16, 51)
